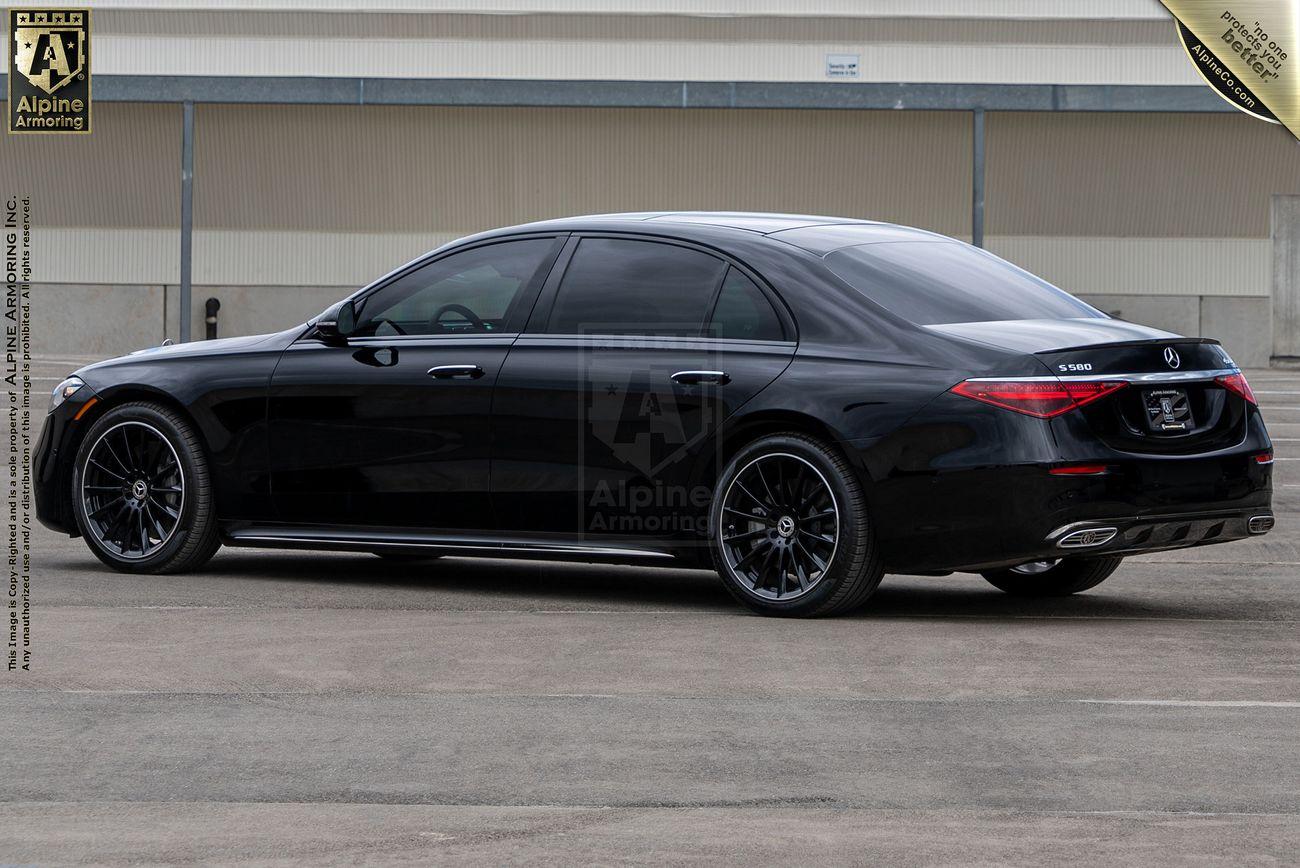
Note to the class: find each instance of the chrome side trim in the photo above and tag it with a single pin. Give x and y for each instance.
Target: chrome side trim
(367, 541)
(1152, 377)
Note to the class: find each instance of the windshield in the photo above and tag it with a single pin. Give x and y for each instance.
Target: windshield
(938, 282)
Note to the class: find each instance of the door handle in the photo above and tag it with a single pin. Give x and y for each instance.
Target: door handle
(695, 378)
(455, 372)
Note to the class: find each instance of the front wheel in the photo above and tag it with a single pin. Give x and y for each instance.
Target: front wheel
(789, 529)
(141, 492)
(1053, 578)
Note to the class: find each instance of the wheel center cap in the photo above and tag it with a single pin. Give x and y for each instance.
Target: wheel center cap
(785, 526)
(139, 489)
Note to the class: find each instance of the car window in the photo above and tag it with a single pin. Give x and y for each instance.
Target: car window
(621, 286)
(464, 293)
(743, 312)
(934, 282)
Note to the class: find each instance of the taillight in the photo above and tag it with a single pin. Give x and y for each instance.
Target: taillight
(1041, 398)
(1263, 457)
(1236, 383)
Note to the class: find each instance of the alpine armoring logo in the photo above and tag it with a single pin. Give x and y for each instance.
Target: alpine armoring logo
(1218, 76)
(49, 71)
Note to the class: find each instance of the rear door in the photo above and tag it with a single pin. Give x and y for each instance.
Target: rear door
(622, 378)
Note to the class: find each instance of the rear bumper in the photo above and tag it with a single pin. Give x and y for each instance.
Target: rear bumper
(986, 518)
(1153, 533)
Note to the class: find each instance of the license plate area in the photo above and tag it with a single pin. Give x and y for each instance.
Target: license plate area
(1168, 411)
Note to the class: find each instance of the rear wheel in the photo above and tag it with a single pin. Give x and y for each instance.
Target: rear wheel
(1053, 578)
(789, 529)
(141, 492)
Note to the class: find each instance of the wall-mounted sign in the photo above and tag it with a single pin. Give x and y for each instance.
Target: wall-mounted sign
(842, 66)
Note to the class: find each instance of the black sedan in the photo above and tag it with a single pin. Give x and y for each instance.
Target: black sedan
(802, 403)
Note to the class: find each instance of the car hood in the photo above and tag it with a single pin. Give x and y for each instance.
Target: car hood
(215, 347)
(1044, 335)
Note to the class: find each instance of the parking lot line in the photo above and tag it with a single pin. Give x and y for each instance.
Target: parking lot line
(1199, 703)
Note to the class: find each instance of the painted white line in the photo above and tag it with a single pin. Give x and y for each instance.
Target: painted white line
(1199, 703)
(1266, 392)
(719, 613)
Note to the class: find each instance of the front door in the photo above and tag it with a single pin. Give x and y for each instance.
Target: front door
(392, 428)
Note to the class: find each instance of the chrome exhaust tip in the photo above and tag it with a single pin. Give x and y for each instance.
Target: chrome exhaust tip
(1260, 524)
(1089, 537)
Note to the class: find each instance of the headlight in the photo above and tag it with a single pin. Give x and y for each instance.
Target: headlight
(65, 390)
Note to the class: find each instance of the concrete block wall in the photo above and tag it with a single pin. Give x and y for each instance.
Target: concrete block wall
(101, 321)
(1243, 324)
(96, 320)
(251, 310)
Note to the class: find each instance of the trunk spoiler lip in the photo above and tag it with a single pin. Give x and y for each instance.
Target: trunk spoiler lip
(1146, 342)
(1128, 377)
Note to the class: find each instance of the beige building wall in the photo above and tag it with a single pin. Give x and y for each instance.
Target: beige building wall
(1006, 41)
(1163, 218)
(295, 206)
(298, 205)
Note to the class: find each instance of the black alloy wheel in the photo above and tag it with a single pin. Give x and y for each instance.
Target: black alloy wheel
(780, 526)
(790, 530)
(141, 494)
(132, 490)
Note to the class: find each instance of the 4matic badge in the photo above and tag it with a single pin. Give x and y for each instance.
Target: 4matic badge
(49, 71)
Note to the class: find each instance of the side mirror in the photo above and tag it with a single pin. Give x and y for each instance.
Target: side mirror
(337, 323)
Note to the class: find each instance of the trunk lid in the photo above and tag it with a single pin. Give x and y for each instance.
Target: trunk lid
(1172, 405)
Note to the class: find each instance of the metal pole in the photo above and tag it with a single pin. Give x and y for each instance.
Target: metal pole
(977, 181)
(187, 215)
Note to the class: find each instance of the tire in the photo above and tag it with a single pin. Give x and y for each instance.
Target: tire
(794, 519)
(1069, 576)
(172, 525)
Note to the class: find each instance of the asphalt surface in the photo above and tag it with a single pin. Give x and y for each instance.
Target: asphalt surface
(285, 708)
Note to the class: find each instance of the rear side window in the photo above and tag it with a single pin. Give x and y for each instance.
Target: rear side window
(626, 287)
(743, 312)
(934, 282)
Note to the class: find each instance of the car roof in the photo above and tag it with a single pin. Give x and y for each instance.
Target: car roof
(816, 234)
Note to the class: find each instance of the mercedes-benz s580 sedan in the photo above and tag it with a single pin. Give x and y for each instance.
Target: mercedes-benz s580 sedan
(802, 403)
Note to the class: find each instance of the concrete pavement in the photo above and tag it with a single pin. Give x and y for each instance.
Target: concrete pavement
(285, 708)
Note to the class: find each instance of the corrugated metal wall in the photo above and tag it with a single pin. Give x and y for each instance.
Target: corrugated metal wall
(965, 42)
(1162, 216)
(332, 195)
(1065, 9)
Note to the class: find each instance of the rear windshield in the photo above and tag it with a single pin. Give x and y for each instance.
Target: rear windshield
(936, 282)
